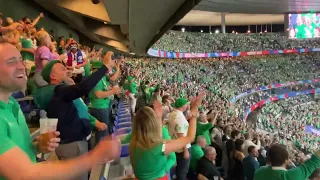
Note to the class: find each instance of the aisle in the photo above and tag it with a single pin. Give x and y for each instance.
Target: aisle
(122, 128)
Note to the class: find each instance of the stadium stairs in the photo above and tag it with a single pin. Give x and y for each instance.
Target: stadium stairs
(121, 169)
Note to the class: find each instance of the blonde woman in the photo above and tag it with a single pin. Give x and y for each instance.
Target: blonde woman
(42, 56)
(147, 148)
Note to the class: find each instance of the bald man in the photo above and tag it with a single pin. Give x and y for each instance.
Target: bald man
(17, 152)
(206, 168)
(196, 154)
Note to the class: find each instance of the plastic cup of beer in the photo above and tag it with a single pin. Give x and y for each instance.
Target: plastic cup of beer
(129, 171)
(48, 127)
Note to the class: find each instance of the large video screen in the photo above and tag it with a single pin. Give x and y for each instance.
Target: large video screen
(304, 25)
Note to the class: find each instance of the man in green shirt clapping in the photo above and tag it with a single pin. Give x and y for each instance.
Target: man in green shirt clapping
(278, 158)
(100, 98)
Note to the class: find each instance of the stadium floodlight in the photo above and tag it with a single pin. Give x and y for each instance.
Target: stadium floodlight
(217, 31)
(201, 30)
(183, 29)
(265, 31)
(233, 32)
(249, 31)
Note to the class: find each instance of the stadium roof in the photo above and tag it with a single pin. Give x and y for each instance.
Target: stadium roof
(207, 18)
(135, 25)
(259, 6)
(126, 25)
(246, 12)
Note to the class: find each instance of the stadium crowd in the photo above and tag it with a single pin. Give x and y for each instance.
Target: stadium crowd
(196, 42)
(183, 118)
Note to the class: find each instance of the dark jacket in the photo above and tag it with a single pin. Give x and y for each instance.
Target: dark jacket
(64, 102)
(250, 165)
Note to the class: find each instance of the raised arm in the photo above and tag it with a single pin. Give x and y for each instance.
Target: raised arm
(306, 169)
(37, 19)
(176, 144)
(117, 73)
(14, 160)
(9, 28)
(69, 93)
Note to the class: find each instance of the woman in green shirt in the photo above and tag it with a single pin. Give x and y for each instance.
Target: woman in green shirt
(147, 148)
(171, 158)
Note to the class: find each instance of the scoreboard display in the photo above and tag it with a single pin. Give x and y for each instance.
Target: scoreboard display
(302, 26)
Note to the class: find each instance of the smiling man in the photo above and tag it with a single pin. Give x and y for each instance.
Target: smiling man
(17, 152)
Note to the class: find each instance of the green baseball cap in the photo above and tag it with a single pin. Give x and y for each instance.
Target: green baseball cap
(180, 102)
(33, 69)
(130, 78)
(96, 64)
(46, 71)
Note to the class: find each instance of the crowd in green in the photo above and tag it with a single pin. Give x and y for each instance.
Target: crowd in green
(289, 117)
(176, 41)
(224, 78)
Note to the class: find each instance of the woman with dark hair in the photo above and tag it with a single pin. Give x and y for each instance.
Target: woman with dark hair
(237, 157)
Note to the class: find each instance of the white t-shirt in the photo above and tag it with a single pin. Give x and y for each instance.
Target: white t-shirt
(165, 113)
(178, 124)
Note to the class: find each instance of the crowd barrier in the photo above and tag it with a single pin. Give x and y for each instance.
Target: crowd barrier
(272, 86)
(166, 54)
(278, 97)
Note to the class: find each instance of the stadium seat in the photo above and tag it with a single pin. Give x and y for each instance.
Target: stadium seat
(124, 150)
(123, 125)
(123, 113)
(25, 105)
(122, 131)
(127, 120)
(123, 116)
(30, 111)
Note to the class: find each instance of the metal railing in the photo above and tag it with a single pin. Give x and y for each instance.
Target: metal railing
(100, 172)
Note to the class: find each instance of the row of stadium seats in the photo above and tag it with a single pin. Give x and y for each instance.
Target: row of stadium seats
(122, 127)
(28, 108)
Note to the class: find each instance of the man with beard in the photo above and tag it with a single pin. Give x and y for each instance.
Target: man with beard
(76, 61)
